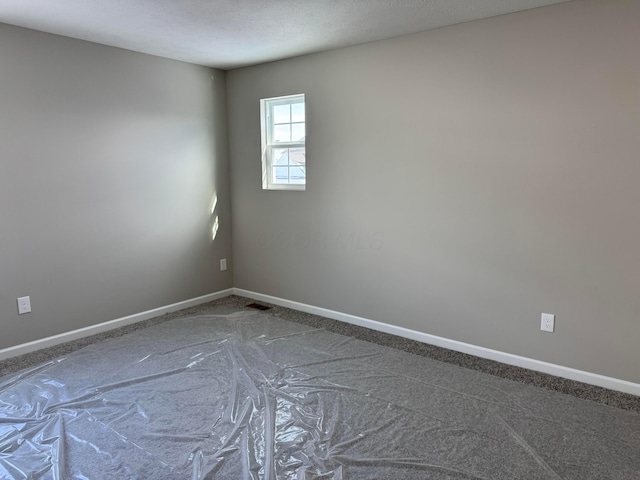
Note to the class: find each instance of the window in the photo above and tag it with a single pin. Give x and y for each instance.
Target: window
(283, 143)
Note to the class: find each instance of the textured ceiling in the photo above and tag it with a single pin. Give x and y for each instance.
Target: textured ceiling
(233, 33)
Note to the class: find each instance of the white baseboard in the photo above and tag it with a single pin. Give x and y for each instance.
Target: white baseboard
(503, 357)
(110, 325)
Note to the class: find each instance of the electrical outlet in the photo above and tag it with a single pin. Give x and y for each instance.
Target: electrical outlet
(223, 264)
(24, 305)
(547, 322)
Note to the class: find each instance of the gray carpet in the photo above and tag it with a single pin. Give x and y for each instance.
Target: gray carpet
(570, 387)
(227, 392)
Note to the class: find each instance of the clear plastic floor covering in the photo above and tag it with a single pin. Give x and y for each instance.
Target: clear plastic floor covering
(250, 396)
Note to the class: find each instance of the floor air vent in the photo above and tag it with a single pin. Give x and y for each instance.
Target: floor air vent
(257, 306)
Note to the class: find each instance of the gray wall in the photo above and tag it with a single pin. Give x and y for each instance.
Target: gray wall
(461, 182)
(109, 160)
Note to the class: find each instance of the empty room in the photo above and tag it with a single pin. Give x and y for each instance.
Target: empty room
(450, 291)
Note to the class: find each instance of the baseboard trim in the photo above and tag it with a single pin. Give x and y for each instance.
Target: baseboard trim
(503, 357)
(109, 325)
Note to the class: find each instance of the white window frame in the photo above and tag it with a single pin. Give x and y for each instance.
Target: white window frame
(268, 144)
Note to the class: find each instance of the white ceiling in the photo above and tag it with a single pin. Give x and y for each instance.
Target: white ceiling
(233, 33)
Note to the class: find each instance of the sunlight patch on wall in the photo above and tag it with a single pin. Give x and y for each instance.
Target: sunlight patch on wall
(214, 203)
(216, 221)
(214, 230)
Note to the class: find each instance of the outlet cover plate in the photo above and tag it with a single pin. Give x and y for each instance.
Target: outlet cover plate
(24, 305)
(548, 322)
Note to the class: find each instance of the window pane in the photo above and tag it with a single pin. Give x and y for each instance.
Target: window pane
(297, 132)
(281, 113)
(297, 174)
(280, 156)
(280, 175)
(297, 112)
(282, 133)
(297, 157)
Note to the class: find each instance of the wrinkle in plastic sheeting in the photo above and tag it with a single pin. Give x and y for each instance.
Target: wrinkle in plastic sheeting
(250, 396)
